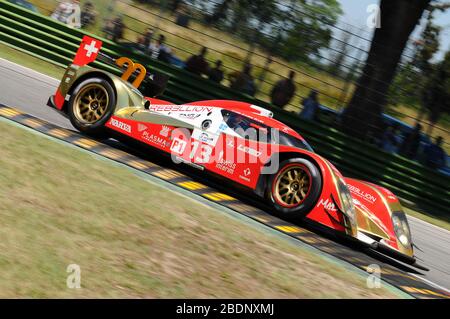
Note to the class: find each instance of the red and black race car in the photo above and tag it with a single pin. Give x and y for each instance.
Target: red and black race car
(238, 141)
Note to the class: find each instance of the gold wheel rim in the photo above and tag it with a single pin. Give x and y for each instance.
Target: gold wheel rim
(292, 186)
(91, 103)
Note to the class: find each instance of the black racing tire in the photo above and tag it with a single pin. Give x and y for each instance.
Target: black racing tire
(295, 210)
(93, 123)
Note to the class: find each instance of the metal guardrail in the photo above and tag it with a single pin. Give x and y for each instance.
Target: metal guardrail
(57, 43)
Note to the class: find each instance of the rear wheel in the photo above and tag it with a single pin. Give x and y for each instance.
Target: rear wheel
(91, 105)
(295, 188)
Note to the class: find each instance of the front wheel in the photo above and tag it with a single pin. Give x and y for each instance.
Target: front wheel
(91, 105)
(295, 188)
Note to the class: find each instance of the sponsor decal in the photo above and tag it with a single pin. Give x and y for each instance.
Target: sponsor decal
(327, 204)
(190, 116)
(245, 177)
(181, 108)
(178, 146)
(366, 196)
(222, 128)
(121, 125)
(141, 127)
(226, 166)
(154, 139)
(249, 150)
(204, 137)
(165, 131)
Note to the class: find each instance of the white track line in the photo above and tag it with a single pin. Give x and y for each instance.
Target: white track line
(28, 72)
(429, 224)
(431, 283)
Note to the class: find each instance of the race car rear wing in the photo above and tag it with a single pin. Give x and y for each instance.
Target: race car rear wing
(150, 84)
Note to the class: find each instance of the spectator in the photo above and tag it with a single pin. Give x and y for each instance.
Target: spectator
(108, 28)
(283, 91)
(175, 5)
(183, 16)
(411, 143)
(147, 38)
(435, 156)
(310, 106)
(88, 14)
(216, 73)
(391, 140)
(197, 64)
(160, 50)
(243, 81)
(118, 29)
(69, 13)
(114, 29)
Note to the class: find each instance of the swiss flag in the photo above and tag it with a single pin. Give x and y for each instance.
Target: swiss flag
(88, 51)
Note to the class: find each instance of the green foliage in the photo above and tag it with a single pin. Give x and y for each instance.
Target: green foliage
(436, 94)
(410, 83)
(295, 30)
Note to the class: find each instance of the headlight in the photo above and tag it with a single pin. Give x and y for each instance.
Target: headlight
(347, 202)
(401, 228)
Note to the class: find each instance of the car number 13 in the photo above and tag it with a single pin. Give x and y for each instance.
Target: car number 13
(203, 152)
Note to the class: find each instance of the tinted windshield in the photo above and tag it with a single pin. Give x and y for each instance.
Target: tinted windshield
(256, 131)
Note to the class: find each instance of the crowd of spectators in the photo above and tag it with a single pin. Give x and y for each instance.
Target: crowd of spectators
(413, 146)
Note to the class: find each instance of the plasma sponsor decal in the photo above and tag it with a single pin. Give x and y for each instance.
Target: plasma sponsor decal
(249, 150)
(189, 116)
(327, 204)
(165, 131)
(366, 196)
(181, 108)
(155, 139)
(142, 127)
(178, 146)
(120, 125)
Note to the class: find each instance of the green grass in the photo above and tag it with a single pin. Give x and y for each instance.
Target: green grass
(29, 61)
(443, 223)
(132, 238)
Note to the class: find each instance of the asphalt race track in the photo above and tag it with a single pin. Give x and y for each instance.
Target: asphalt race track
(28, 91)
